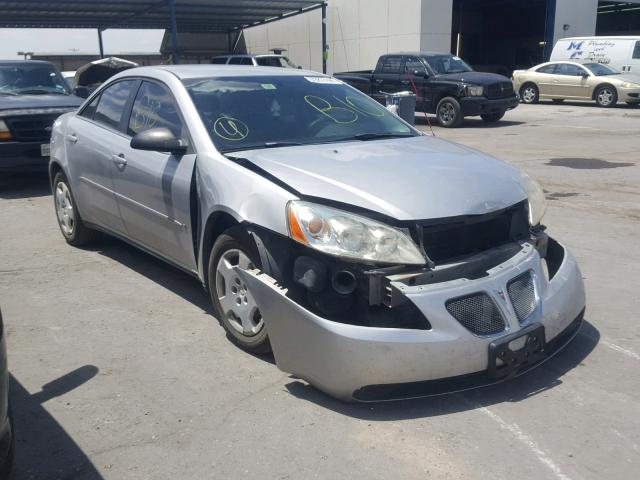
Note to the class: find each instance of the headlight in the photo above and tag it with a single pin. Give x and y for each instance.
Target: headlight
(537, 200)
(630, 85)
(474, 90)
(344, 234)
(5, 134)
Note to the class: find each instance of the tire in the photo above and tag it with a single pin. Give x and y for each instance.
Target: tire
(74, 231)
(493, 117)
(449, 112)
(233, 304)
(606, 96)
(558, 100)
(529, 93)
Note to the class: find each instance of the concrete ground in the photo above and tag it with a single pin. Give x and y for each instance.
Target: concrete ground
(120, 372)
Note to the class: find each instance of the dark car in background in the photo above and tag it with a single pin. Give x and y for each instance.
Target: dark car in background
(32, 95)
(444, 84)
(7, 439)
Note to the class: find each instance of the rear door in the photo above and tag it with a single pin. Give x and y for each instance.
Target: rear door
(544, 78)
(386, 79)
(570, 82)
(92, 137)
(153, 189)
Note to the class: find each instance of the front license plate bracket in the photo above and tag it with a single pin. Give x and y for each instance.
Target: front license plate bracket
(514, 353)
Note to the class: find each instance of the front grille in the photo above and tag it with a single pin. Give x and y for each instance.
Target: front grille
(500, 90)
(477, 313)
(31, 128)
(523, 296)
(469, 235)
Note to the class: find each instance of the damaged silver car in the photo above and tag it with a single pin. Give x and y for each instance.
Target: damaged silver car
(374, 261)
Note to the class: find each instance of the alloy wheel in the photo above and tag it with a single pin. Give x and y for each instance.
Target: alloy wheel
(447, 113)
(64, 209)
(605, 97)
(529, 95)
(237, 303)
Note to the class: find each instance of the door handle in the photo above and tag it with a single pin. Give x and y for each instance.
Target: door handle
(378, 80)
(72, 138)
(119, 160)
(404, 82)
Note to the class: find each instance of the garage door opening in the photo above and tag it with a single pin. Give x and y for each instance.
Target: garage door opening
(618, 18)
(499, 35)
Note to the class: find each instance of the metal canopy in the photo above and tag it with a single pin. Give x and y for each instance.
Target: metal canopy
(191, 16)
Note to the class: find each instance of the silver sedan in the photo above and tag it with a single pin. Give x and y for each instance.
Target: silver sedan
(374, 261)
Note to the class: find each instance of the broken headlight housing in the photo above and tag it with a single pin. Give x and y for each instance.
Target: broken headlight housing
(537, 200)
(348, 235)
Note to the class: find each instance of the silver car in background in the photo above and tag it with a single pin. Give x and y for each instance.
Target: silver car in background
(375, 262)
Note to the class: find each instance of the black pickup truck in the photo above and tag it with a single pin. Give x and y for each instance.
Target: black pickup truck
(32, 95)
(444, 84)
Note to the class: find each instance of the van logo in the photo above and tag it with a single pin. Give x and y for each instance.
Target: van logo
(575, 45)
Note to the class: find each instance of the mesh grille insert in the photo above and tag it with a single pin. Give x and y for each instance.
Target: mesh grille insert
(522, 294)
(477, 313)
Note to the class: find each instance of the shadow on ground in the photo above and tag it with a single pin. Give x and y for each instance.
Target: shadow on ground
(469, 122)
(24, 185)
(44, 450)
(544, 378)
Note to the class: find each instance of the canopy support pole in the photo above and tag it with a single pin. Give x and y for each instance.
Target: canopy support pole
(100, 43)
(325, 52)
(174, 31)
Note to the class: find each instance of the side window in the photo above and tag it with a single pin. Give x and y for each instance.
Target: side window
(90, 110)
(241, 61)
(569, 70)
(154, 107)
(112, 102)
(391, 65)
(547, 69)
(219, 61)
(413, 64)
(636, 51)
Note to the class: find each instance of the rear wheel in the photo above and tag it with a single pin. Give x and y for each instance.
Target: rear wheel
(529, 93)
(232, 299)
(71, 226)
(493, 117)
(449, 112)
(606, 96)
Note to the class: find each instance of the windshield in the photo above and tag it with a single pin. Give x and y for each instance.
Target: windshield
(275, 62)
(18, 79)
(600, 70)
(442, 64)
(242, 113)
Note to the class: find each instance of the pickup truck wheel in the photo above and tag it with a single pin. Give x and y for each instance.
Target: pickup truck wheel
(449, 112)
(492, 117)
(529, 93)
(606, 96)
(235, 306)
(71, 226)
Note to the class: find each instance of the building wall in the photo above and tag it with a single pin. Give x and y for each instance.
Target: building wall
(358, 32)
(579, 15)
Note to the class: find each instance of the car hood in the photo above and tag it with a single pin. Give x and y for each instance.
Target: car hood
(407, 179)
(37, 102)
(475, 78)
(625, 77)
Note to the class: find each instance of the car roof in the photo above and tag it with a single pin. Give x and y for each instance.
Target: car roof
(185, 72)
(24, 62)
(249, 55)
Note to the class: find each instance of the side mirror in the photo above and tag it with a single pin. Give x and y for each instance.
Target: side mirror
(82, 92)
(420, 73)
(159, 140)
(584, 75)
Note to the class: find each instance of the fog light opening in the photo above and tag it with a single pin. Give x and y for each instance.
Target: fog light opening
(343, 282)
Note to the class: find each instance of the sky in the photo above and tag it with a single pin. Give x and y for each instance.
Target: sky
(56, 40)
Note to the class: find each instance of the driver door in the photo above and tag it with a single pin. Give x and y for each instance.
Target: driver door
(153, 189)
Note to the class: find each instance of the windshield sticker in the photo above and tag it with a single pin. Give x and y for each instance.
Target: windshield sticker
(231, 129)
(324, 80)
(268, 86)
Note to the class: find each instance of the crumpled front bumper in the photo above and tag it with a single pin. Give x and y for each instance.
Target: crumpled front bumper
(348, 361)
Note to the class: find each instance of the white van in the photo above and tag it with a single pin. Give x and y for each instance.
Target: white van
(621, 53)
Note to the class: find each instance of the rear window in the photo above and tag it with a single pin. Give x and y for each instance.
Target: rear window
(392, 65)
(636, 51)
(240, 61)
(219, 61)
(547, 69)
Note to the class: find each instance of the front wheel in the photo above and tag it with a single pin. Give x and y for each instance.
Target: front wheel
(529, 93)
(493, 117)
(606, 96)
(232, 299)
(449, 112)
(74, 231)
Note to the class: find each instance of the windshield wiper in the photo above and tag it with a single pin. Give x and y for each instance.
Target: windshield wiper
(375, 136)
(261, 146)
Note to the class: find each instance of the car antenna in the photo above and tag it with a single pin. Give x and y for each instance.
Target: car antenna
(415, 90)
